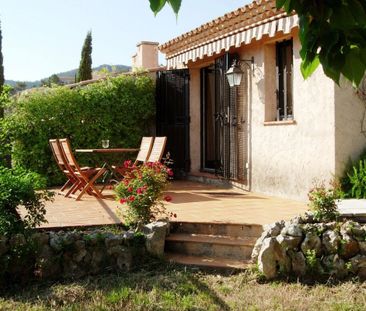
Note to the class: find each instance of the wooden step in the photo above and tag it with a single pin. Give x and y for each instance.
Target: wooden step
(216, 228)
(210, 245)
(207, 262)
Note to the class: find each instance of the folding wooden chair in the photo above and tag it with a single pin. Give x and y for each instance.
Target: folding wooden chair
(145, 149)
(144, 153)
(86, 177)
(157, 150)
(72, 180)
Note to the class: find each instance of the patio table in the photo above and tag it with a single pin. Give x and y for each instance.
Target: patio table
(104, 151)
(107, 150)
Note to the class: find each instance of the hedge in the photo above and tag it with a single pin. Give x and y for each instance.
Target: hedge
(120, 109)
(21, 187)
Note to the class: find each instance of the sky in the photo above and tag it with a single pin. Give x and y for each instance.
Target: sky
(43, 37)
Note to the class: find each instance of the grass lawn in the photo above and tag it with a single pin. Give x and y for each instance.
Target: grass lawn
(160, 286)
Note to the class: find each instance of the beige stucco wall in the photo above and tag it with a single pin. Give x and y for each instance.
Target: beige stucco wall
(350, 122)
(286, 159)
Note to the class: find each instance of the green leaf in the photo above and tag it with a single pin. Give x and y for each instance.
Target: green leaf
(175, 4)
(288, 6)
(332, 62)
(354, 68)
(363, 55)
(307, 68)
(329, 40)
(157, 5)
(357, 11)
(331, 72)
(280, 3)
(342, 18)
(304, 22)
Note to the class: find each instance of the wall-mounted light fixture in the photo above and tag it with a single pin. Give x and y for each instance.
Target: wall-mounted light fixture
(235, 74)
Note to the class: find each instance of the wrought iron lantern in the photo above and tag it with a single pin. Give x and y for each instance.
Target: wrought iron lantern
(235, 74)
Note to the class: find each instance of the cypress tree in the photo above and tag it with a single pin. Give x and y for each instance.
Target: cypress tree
(85, 68)
(2, 79)
(7, 156)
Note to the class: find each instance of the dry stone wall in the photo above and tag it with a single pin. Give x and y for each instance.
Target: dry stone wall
(303, 247)
(74, 254)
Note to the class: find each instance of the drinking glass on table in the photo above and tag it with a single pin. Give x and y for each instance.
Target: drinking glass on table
(105, 143)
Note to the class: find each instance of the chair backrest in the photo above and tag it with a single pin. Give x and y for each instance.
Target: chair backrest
(145, 149)
(69, 156)
(157, 149)
(57, 154)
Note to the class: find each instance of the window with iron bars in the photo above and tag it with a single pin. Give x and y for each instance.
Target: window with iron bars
(284, 73)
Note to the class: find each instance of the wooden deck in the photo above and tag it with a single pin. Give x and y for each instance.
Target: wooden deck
(192, 202)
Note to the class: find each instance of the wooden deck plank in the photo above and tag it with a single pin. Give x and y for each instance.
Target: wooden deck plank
(192, 202)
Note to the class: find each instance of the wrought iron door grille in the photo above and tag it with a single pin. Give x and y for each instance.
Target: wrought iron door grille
(172, 116)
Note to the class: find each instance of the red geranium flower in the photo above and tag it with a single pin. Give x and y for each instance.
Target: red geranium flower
(129, 189)
(122, 201)
(170, 172)
(127, 163)
(168, 198)
(131, 198)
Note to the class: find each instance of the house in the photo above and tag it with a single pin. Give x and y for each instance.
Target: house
(146, 56)
(275, 133)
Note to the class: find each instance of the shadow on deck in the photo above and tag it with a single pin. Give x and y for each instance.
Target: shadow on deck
(192, 202)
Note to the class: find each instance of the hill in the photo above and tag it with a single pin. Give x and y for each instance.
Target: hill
(28, 84)
(69, 76)
(110, 68)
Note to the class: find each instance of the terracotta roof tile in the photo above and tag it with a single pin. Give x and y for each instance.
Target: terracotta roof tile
(245, 16)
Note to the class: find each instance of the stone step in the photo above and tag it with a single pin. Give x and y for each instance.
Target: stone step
(210, 245)
(216, 228)
(207, 262)
(213, 239)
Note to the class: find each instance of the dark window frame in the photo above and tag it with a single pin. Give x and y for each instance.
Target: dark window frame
(284, 80)
(204, 165)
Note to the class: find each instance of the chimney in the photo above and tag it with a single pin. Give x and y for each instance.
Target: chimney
(146, 56)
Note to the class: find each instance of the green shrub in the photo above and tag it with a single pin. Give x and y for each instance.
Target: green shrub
(357, 181)
(354, 178)
(21, 187)
(313, 265)
(120, 109)
(323, 202)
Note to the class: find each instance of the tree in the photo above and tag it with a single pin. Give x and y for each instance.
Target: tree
(45, 82)
(157, 5)
(55, 79)
(332, 33)
(85, 68)
(2, 79)
(19, 87)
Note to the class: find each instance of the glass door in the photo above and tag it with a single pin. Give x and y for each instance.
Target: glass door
(218, 120)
